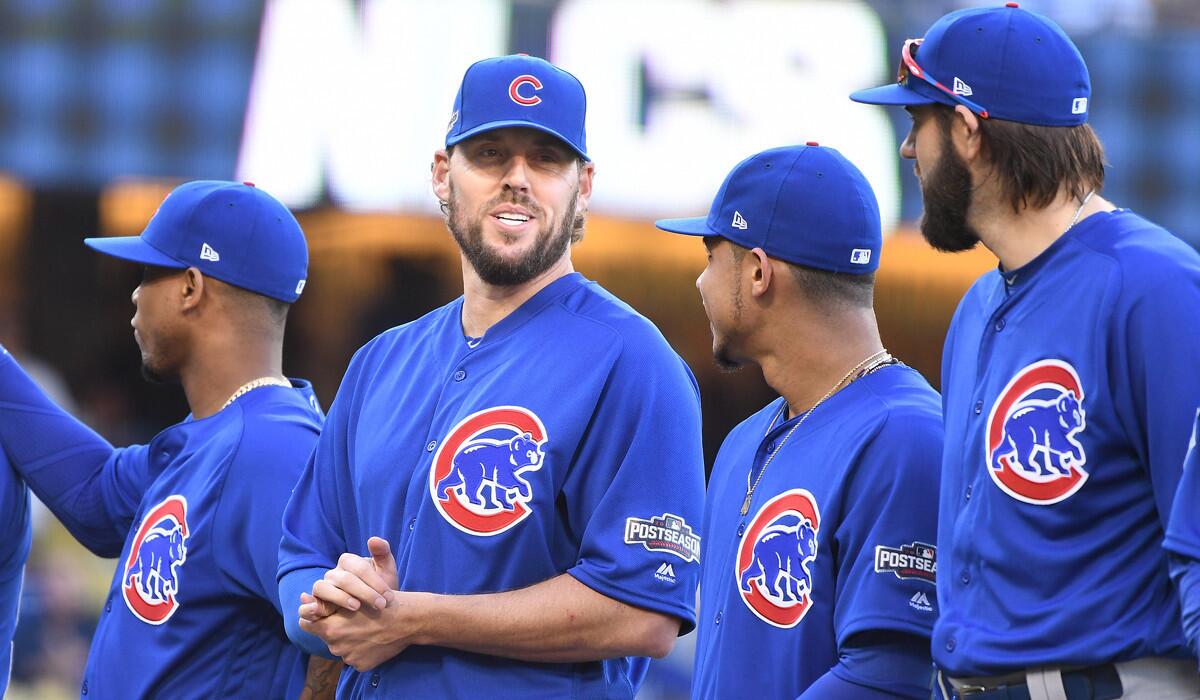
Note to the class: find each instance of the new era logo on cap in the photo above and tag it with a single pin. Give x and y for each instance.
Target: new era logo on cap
(961, 88)
(208, 253)
(739, 222)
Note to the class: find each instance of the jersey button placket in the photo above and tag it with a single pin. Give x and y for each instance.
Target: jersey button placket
(374, 680)
(999, 325)
(717, 619)
(978, 407)
(460, 375)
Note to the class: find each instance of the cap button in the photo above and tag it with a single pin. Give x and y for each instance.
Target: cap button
(812, 143)
(247, 183)
(1011, 4)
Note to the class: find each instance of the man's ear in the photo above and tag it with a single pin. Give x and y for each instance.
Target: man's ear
(441, 175)
(192, 288)
(965, 135)
(760, 270)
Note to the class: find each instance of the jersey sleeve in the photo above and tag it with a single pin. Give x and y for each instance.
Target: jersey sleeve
(1157, 385)
(89, 485)
(14, 524)
(636, 492)
(313, 529)
(1183, 527)
(886, 540)
(262, 473)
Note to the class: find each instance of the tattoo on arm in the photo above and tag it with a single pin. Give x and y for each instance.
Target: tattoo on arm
(320, 683)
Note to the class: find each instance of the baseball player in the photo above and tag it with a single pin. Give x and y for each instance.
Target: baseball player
(14, 547)
(817, 574)
(1068, 376)
(194, 516)
(525, 460)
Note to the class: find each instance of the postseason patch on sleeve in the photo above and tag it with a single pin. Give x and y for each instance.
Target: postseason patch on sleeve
(910, 561)
(664, 533)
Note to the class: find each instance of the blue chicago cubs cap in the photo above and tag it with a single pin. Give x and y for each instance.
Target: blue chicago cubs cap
(803, 204)
(519, 90)
(232, 231)
(1001, 62)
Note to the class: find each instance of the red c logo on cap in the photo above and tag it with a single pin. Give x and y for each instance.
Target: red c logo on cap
(514, 90)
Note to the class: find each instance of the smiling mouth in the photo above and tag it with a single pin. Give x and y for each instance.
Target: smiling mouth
(512, 219)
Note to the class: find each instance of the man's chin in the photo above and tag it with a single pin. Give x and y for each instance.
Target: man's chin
(155, 377)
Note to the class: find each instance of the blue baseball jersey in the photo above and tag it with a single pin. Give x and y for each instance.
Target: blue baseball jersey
(838, 539)
(1069, 386)
(567, 439)
(194, 599)
(195, 518)
(14, 548)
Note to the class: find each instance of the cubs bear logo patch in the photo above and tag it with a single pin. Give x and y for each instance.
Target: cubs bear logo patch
(773, 566)
(1032, 449)
(478, 479)
(151, 579)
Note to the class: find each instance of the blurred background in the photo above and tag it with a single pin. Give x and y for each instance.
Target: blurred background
(336, 107)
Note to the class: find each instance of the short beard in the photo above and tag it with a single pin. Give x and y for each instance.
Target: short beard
(947, 193)
(493, 268)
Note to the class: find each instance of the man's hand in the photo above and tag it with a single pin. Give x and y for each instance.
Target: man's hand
(357, 581)
(368, 637)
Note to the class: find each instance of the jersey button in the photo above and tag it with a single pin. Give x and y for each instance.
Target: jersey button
(950, 644)
(460, 375)
(968, 494)
(374, 680)
(741, 529)
(999, 325)
(717, 619)
(108, 604)
(431, 446)
(978, 407)
(412, 523)
(965, 578)
(83, 690)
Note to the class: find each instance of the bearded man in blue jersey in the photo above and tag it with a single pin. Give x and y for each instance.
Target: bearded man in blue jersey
(194, 516)
(505, 499)
(1069, 380)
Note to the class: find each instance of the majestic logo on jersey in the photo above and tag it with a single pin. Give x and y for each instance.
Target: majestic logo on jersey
(665, 573)
(920, 602)
(151, 579)
(917, 560)
(772, 567)
(478, 478)
(1032, 450)
(514, 90)
(664, 533)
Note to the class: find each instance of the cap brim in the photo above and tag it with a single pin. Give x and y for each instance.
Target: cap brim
(894, 94)
(134, 249)
(693, 226)
(504, 123)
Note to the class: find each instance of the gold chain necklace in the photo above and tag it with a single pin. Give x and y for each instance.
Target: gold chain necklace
(254, 384)
(751, 487)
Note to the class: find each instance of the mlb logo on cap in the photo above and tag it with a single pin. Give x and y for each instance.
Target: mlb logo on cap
(520, 91)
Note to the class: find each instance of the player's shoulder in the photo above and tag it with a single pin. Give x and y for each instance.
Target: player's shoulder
(593, 310)
(430, 325)
(902, 405)
(1146, 255)
(274, 425)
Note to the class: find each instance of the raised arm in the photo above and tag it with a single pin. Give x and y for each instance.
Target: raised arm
(92, 487)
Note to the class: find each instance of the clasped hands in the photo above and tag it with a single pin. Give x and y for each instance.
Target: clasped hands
(357, 611)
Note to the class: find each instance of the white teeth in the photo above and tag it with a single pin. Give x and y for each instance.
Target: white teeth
(515, 218)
